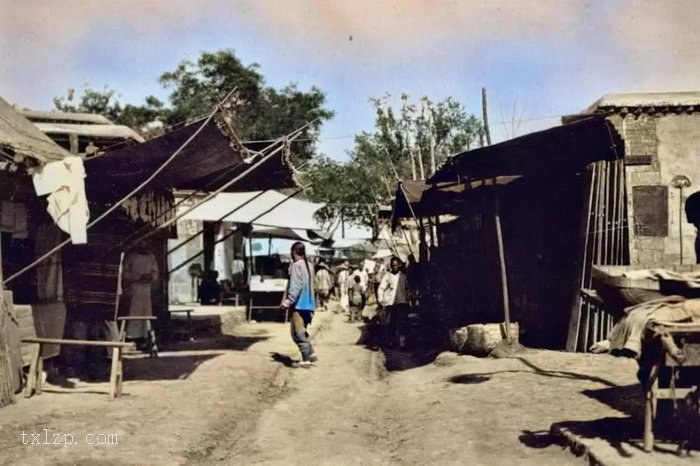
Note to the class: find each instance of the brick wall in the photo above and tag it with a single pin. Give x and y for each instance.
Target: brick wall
(657, 148)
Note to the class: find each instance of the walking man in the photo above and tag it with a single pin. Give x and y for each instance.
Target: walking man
(322, 285)
(299, 300)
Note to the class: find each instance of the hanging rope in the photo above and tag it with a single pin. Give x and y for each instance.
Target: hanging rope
(118, 204)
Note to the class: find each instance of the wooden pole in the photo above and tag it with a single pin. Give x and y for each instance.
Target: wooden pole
(485, 117)
(7, 378)
(680, 221)
(606, 208)
(432, 144)
(502, 264)
(584, 260)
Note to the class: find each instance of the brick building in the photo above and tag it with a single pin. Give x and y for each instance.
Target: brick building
(661, 134)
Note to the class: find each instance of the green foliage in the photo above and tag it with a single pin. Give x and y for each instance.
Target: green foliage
(105, 103)
(341, 186)
(259, 112)
(400, 144)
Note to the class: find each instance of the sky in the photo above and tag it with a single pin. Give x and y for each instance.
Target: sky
(538, 59)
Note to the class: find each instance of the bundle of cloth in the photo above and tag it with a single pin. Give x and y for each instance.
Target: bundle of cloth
(625, 339)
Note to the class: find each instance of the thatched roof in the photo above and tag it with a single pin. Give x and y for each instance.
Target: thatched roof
(19, 136)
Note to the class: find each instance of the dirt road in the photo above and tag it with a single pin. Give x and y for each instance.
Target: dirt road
(237, 401)
(349, 410)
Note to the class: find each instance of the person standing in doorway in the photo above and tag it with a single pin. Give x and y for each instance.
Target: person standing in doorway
(139, 273)
(299, 299)
(393, 296)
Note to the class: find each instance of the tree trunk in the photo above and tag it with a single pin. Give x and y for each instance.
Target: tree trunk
(420, 164)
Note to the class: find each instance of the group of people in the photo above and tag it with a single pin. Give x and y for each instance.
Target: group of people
(310, 287)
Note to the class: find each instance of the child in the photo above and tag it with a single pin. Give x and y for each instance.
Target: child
(356, 299)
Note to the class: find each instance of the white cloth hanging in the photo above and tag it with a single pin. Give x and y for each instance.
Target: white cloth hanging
(64, 181)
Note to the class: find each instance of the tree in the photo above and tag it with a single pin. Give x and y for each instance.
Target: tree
(105, 103)
(259, 112)
(408, 143)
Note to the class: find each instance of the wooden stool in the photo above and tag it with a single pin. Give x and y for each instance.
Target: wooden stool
(152, 344)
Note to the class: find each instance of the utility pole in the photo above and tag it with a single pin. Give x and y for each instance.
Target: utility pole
(431, 128)
(485, 117)
(342, 223)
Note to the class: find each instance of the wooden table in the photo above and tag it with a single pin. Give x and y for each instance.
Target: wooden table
(670, 345)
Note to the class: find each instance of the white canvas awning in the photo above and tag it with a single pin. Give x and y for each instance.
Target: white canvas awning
(292, 214)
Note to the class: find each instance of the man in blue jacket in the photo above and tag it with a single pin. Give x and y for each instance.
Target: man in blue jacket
(299, 300)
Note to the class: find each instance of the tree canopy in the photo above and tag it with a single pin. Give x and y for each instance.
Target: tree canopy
(408, 142)
(260, 112)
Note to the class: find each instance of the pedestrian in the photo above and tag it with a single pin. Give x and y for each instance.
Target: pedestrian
(393, 296)
(299, 299)
(415, 276)
(363, 277)
(322, 285)
(357, 299)
(342, 283)
(379, 272)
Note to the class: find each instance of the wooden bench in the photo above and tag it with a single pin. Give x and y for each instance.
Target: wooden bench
(36, 367)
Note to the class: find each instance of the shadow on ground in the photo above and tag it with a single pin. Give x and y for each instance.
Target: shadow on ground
(539, 439)
(171, 367)
(222, 342)
(282, 359)
(469, 379)
(625, 434)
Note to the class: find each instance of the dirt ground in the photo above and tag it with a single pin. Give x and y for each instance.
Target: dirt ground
(238, 400)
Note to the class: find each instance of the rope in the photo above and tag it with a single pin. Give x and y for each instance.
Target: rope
(115, 206)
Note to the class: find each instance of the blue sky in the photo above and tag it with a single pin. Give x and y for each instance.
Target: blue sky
(539, 59)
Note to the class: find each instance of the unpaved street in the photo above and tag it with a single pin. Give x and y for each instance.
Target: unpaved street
(239, 402)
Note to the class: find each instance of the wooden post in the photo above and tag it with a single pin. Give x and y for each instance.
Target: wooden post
(584, 260)
(342, 223)
(7, 375)
(502, 264)
(485, 114)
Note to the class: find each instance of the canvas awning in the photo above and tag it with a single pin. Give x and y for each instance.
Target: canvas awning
(213, 152)
(19, 136)
(563, 148)
(418, 198)
(290, 214)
